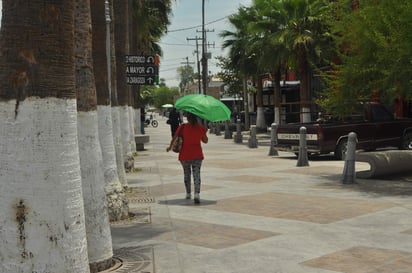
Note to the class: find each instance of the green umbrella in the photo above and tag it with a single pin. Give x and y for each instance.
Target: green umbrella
(204, 106)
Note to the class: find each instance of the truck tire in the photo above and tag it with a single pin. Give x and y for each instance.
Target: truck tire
(407, 141)
(341, 149)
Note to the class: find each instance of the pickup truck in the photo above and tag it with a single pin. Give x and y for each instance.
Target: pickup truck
(375, 126)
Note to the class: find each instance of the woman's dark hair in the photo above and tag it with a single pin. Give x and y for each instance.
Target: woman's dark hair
(192, 119)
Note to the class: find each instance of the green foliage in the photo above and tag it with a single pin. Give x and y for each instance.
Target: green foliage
(230, 76)
(276, 35)
(157, 96)
(186, 75)
(151, 19)
(146, 95)
(164, 95)
(375, 43)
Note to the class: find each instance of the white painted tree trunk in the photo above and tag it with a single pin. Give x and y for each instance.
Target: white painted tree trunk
(277, 115)
(305, 116)
(118, 146)
(99, 240)
(137, 121)
(116, 197)
(125, 137)
(131, 123)
(42, 222)
(260, 119)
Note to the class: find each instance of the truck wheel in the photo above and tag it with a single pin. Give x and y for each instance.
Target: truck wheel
(341, 149)
(407, 141)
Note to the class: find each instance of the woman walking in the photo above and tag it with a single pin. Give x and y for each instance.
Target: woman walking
(191, 154)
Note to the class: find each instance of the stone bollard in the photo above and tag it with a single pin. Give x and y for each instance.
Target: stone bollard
(217, 129)
(349, 174)
(303, 149)
(211, 127)
(252, 141)
(238, 136)
(228, 133)
(273, 140)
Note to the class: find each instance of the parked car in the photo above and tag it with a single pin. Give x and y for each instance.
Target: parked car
(375, 126)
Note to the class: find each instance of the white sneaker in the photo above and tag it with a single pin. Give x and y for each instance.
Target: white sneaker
(188, 196)
(197, 198)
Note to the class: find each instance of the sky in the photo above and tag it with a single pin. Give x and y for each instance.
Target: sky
(186, 23)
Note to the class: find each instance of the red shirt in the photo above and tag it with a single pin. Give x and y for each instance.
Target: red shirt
(192, 136)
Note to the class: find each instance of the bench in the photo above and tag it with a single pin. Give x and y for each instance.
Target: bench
(140, 141)
(385, 163)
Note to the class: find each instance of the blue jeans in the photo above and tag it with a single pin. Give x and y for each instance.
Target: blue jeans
(189, 167)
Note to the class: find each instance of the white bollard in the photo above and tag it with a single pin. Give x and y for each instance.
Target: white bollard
(252, 141)
(303, 149)
(273, 140)
(349, 173)
(238, 137)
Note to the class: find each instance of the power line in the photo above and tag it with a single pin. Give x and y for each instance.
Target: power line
(198, 26)
(177, 44)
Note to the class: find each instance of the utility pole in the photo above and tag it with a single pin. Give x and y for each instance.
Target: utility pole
(187, 63)
(198, 63)
(204, 56)
(205, 71)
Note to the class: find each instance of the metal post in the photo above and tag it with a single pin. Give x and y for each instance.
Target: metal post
(252, 141)
(349, 174)
(303, 149)
(273, 140)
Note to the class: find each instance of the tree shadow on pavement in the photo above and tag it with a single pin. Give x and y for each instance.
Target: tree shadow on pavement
(382, 186)
(186, 202)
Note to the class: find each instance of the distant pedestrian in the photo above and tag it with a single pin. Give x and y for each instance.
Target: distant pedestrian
(142, 119)
(174, 121)
(191, 154)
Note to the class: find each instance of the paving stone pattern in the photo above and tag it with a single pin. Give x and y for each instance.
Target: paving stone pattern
(261, 213)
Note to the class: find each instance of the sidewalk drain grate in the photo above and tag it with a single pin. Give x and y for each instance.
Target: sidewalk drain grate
(139, 195)
(133, 260)
(143, 199)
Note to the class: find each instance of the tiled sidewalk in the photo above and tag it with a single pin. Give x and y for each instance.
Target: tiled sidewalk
(261, 214)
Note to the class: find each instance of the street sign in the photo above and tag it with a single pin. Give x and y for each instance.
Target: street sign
(142, 69)
(142, 80)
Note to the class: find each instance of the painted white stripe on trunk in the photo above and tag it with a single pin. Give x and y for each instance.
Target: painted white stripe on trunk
(42, 219)
(118, 146)
(125, 131)
(117, 202)
(131, 131)
(99, 239)
(260, 118)
(137, 122)
(305, 116)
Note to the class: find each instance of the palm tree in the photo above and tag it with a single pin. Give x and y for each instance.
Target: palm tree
(121, 33)
(99, 240)
(274, 54)
(241, 58)
(149, 21)
(116, 197)
(43, 222)
(303, 33)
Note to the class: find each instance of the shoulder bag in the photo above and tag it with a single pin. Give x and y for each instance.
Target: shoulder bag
(177, 144)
